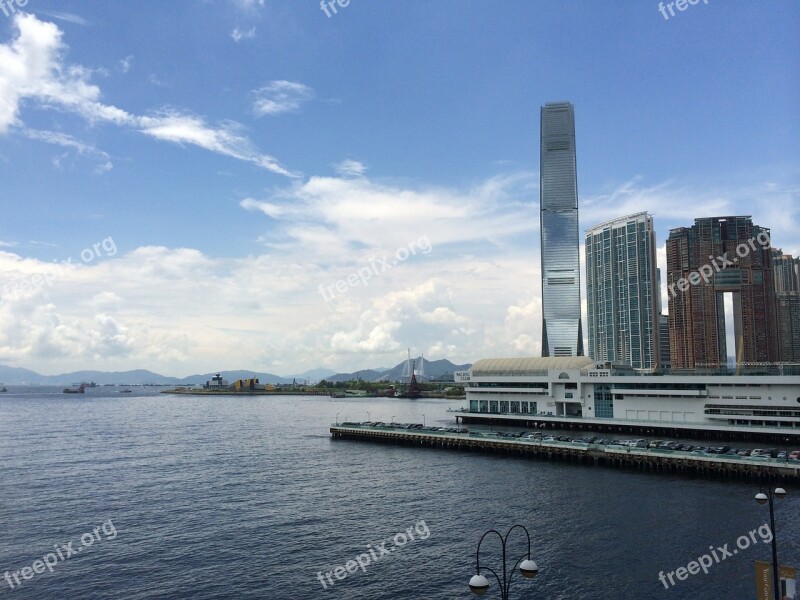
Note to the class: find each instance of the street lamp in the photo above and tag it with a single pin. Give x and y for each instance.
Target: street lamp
(423, 418)
(392, 421)
(479, 585)
(764, 498)
(368, 417)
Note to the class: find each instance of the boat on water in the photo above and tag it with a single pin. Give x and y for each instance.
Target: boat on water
(4, 389)
(412, 389)
(75, 390)
(125, 391)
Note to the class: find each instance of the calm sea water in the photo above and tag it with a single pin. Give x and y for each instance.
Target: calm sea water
(237, 498)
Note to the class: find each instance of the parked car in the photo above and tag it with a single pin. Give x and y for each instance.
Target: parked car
(794, 455)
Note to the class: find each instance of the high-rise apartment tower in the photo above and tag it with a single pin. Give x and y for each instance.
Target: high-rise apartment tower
(714, 257)
(622, 292)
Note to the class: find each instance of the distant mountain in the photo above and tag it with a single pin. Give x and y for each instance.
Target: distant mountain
(440, 370)
(17, 376)
(312, 375)
(437, 369)
(232, 376)
(365, 374)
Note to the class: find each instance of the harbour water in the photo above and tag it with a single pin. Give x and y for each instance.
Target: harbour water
(237, 498)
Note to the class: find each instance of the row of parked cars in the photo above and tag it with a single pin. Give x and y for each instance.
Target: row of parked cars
(414, 426)
(674, 445)
(757, 453)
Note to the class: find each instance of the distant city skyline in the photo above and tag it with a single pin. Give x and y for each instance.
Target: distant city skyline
(211, 173)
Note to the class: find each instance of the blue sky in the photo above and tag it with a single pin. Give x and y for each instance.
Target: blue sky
(243, 154)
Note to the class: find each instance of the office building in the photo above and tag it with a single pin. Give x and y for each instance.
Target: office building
(562, 331)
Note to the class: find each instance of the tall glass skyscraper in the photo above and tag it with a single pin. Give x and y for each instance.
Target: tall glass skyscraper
(622, 292)
(562, 332)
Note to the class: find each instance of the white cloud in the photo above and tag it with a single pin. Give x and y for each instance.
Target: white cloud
(68, 17)
(351, 168)
(351, 218)
(475, 294)
(31, 68)
(125, 64)
(67, 141)
(243, 34)
(280, 96)
(249, 5)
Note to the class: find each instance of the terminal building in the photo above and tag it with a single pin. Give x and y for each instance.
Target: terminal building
(579, 393)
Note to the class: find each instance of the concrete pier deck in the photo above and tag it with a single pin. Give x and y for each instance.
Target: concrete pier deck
(654, 460)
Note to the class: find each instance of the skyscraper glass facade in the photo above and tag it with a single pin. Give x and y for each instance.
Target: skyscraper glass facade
(562, 333)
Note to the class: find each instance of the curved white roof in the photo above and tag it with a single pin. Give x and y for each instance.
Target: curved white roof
(529, 365)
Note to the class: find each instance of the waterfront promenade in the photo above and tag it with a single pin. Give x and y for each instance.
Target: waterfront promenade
(657, 460)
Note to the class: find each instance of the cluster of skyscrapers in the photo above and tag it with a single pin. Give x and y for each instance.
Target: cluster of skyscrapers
(715, 257)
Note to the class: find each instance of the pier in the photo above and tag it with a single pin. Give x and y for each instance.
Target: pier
(654, 460)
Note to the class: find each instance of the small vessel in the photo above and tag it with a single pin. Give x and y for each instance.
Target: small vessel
(75, 390)
(125, 391)
(4, 388)
(412, 390)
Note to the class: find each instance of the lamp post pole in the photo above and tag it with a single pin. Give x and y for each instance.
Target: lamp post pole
(769, 498)
(479, 585)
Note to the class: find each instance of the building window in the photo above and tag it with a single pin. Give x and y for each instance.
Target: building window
(473, 406)
(603, 402)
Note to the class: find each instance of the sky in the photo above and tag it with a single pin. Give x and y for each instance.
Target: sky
(199, 185)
